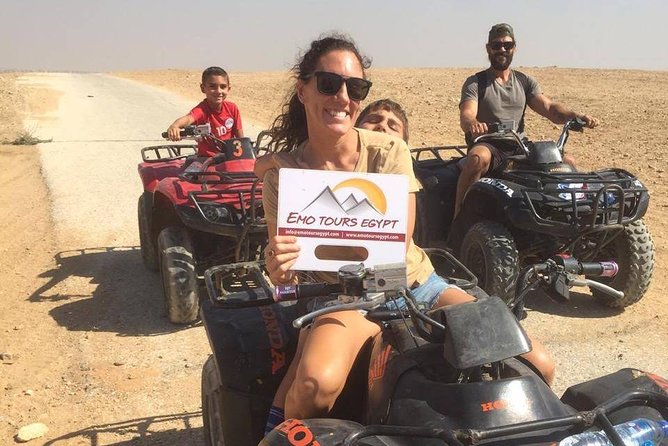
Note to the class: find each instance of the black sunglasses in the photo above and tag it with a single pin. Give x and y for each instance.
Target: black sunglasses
(330, 83)
(496, 46)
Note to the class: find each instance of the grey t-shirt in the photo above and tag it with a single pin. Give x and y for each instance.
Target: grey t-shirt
(502, 102)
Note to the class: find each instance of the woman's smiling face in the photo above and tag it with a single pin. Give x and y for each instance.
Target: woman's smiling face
(335, 114)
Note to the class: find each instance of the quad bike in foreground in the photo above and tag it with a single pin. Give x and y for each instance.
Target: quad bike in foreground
(196, 212)
(535, 208)
(451, 375)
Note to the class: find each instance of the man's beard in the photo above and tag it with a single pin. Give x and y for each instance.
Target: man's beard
(498, 64)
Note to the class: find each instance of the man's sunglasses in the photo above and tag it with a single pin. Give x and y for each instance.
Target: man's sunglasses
(496, 46)
(330, 83)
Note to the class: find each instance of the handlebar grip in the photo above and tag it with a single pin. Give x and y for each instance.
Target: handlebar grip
(599, 269)
(183, 133)
(304, 291)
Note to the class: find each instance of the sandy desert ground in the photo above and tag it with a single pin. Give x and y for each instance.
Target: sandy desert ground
(86, 346)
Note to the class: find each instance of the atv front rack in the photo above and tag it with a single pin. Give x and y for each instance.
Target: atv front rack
(235, 212)
(159, 154)
(242, 203)
(214, 177)
(577, 422)
(582, 202)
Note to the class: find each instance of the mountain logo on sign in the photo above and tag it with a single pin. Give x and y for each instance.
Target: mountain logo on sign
(374, 200)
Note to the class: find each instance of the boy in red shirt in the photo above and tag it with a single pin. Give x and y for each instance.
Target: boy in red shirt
(223, 115)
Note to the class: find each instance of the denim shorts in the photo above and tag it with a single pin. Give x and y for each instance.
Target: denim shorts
(426, 294)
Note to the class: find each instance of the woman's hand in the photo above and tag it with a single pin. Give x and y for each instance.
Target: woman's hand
(280, 254)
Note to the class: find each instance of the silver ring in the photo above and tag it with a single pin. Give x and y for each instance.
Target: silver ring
(271, 253)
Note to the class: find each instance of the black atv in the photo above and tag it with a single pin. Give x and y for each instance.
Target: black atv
(448, 376)
(196, 212)
(536, 207)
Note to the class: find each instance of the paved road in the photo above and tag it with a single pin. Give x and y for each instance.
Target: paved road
(101, 124)
(121, 370)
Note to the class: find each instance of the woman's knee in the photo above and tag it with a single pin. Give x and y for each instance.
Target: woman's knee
(451, 296)
(318, 382)
(542, 360)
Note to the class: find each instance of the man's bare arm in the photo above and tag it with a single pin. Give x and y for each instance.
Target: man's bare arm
(468, 110)
(556, 112)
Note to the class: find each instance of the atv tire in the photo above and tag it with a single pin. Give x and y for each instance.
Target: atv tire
(489, 251)
(633, 251)
(149, 253)
(211, 404)
(179, 275)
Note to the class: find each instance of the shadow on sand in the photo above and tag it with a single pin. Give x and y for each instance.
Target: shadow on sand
(127, 298)
(580, 305)
(159, 430)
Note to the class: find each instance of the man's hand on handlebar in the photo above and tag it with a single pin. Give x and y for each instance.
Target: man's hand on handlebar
(590, 121)
(280, 255)
(477, 128)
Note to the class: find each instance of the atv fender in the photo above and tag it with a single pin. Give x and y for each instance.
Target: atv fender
(252, 348)
(436, 201)
(152, 173)
(311, 432)
(164, 214)
(420, 400)
(589, 394)
(485, 200)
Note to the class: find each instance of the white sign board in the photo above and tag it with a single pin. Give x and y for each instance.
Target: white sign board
(327, 210)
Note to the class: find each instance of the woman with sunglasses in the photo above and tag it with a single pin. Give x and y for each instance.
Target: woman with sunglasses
(315, 131)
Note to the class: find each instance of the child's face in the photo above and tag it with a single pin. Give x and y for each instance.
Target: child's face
(381, 120)
(216, 89)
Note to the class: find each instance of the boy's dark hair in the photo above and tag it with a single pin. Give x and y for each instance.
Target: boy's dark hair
(389, 105)
(214, 71)
(289, 128)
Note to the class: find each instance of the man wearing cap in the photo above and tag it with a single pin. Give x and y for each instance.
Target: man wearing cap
(499, 94)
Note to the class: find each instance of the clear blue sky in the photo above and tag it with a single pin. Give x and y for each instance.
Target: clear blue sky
(254, 35)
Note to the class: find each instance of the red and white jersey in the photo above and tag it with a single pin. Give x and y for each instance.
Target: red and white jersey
(225, 124)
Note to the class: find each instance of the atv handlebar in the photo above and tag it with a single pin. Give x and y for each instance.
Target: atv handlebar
(365, 302)
(599, 286)
(496, 129)
(193, 132)
(359, 289)
(572, 265)
(558, 274)
(284, 293)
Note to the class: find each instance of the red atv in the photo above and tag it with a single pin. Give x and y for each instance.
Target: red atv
(197, 212)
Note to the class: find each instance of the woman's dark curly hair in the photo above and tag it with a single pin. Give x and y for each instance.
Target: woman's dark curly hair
(289, 128)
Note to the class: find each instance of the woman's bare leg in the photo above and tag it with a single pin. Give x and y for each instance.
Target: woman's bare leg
(279, 398)
(329, 352)
(541, 359)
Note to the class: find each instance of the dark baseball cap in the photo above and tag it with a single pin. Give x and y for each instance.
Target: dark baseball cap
(501, 30)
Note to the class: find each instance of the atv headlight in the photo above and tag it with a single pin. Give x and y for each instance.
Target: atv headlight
(215, 213)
